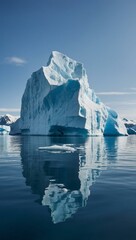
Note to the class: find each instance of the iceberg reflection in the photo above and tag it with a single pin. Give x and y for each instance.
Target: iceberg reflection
(63, 181)
(63, 202)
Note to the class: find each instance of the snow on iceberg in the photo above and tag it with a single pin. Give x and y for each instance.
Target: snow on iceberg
(58, 101)
(7, 119)
(58, 148)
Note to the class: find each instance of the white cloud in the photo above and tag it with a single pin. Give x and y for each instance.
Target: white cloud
(115, 93)
(15, 60)
(9, 110)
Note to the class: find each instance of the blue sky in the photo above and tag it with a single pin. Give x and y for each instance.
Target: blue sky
(99, 33)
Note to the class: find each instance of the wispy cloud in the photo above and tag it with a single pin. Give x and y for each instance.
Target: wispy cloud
(120, 103)
(9, 110)
(115, 93)
(133, 89)
(15, 60)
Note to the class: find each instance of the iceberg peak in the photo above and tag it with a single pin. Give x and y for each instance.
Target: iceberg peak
(60, 68)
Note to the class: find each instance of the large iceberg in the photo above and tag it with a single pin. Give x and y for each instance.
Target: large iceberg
(58, 101)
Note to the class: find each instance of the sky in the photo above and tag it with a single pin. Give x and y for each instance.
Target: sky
(99, 33)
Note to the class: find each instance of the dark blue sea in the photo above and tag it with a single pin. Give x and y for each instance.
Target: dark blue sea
(88, 194)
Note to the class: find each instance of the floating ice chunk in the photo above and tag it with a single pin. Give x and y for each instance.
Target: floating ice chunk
(58, 148)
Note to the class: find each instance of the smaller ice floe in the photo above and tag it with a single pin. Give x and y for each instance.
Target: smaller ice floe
(58, 148)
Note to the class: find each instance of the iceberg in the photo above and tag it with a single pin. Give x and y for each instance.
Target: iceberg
(4, 130)
(130, 125)
(7, 119)
(58, 101)
(15, 128)
(8, 123)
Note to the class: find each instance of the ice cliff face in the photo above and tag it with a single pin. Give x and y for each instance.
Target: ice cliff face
(58, 101)
(15, 128)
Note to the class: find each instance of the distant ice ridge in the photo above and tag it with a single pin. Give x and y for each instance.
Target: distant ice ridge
(58, 101)
(130, 125)
(7, 122)
(7, 119)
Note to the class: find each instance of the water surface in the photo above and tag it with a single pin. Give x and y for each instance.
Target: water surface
(86, 194)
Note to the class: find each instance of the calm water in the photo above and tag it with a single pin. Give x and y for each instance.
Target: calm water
(89, 194)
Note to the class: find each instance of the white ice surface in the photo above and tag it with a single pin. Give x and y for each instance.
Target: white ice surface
(59, 148)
